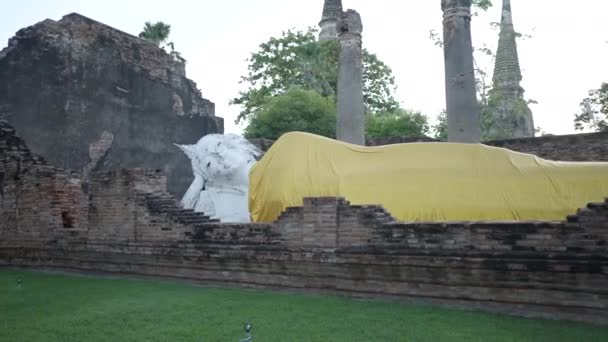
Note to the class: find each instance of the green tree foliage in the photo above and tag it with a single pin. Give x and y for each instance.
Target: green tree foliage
(594, 111)
(483, 5)
(306, 110)
(157, 33)
(298, 59)
(397, 123)
(440, 129)
(297, 109)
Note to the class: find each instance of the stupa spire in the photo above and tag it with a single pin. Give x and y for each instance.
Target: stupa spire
(507, 72)
(332, 10)
(512, 118)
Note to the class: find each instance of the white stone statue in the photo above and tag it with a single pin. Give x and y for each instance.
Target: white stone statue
(221, 165)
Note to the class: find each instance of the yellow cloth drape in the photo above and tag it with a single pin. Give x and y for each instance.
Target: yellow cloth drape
(423, 181)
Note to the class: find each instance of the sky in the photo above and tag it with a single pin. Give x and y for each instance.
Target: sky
(565, 57)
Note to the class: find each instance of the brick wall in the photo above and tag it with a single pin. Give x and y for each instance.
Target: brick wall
(550, 269)
(576, 147)
(143, 102)
(113, 207)
(330, 223)
(126, 222)
(37, 200)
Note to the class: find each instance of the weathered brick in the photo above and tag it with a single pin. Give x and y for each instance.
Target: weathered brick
(125, 222)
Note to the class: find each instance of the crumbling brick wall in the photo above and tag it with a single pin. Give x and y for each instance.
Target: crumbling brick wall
(575, 147)
(36, 199)
(125, 222)
(330, 222)
(111, 100)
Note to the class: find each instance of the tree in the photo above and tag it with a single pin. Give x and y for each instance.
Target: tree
(594, 111)
(441, 128)
(306, 110)
(297, 109)
(397, 123)
(157, 33)
(298, 59)
(483, 5)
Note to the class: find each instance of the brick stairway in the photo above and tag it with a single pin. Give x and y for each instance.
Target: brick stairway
(165, 203)
(376, 213)
(592, 209)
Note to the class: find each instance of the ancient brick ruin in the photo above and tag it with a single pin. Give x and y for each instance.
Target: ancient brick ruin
(508, 108)
(125, 222)
(332, 9)
(87, 96)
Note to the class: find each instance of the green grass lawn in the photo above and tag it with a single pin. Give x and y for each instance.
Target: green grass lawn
(52, 307)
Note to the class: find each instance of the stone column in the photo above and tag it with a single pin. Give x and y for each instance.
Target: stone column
(463, 111)
(351, 109)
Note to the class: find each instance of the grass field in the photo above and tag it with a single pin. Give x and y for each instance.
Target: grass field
(51, 307)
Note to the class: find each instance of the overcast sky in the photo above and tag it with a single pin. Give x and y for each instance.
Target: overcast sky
(565, 58)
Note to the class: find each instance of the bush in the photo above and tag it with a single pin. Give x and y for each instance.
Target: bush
(296, 110)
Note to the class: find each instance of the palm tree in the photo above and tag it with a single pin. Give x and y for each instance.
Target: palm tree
(156, 33)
